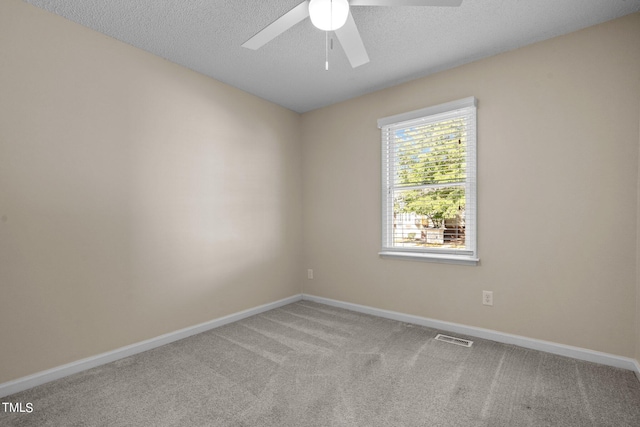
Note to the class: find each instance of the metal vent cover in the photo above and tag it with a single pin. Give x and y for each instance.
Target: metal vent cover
(454, 340)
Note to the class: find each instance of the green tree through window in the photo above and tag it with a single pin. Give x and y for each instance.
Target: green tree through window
(432, 157)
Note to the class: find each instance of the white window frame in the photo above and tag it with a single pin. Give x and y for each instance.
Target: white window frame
(468, 256)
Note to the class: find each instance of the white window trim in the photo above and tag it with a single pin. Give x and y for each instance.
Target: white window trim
(469, 257)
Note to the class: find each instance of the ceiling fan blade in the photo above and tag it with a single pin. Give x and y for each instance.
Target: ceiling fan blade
(351, 43)
(278, 26)
(450, 3)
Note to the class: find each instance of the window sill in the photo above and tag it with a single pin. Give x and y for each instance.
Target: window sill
(416, 256)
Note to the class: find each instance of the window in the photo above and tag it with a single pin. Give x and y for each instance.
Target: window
(429, 183)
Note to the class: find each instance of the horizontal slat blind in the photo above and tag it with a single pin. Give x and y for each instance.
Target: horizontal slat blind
(429, 180)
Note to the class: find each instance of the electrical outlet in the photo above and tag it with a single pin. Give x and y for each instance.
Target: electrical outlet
(310, 274)
(487, 297)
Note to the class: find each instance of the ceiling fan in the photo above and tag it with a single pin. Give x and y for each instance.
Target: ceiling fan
(334, 15)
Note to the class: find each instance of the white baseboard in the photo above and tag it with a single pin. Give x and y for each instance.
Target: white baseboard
(636, 368)
(43, 377)
(488, 334)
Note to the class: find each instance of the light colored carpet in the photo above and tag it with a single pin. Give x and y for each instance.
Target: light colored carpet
(308, 364)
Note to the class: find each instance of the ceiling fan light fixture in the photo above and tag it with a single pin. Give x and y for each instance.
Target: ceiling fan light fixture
(328, 15)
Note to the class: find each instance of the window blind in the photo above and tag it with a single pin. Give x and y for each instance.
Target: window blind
(429, 180)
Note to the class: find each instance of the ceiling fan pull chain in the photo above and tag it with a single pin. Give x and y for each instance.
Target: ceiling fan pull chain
(326, 50)
(326, 38)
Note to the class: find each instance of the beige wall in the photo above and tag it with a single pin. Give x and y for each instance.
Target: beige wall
(638, 268)
(136, 197)
(558, 183)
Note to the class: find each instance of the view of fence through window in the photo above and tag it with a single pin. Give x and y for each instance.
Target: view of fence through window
(429, 182)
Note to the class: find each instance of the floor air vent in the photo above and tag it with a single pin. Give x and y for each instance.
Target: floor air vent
(454, 340)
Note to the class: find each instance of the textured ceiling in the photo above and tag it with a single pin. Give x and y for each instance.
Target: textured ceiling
(403, 42)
